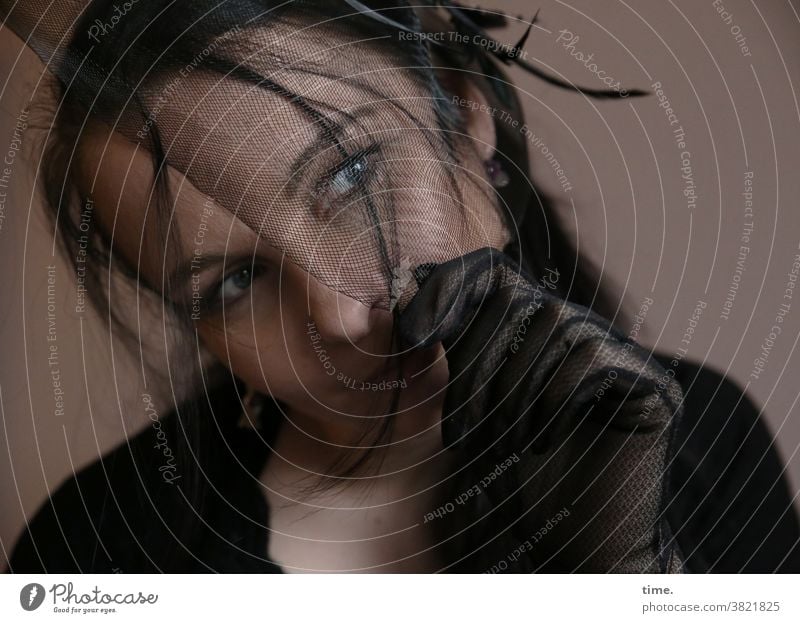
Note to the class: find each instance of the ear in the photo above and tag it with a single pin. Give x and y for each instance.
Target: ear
(477, 113)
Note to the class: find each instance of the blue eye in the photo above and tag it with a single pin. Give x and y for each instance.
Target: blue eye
(237, 283)
(348, 176)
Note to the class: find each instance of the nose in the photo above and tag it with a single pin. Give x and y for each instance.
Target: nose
(338, 317)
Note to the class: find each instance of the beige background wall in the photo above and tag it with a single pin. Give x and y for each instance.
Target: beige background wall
(47, 346)
(626, 205)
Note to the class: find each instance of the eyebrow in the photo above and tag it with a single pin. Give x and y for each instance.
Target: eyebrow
(326, 136)
(329, 131)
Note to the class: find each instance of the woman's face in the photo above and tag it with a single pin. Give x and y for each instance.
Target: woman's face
(290, 293)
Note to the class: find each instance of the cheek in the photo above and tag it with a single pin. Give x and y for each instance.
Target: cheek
(262, 355)
(279, 361)
(279, 353)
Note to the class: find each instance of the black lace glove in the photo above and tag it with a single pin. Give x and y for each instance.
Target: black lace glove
(573, 419)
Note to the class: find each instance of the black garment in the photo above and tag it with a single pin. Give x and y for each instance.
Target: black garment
(729, 505)
(121, 515)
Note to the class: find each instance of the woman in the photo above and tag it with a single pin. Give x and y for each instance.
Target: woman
(373, 363)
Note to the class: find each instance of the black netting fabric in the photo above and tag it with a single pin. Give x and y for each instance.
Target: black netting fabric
(376, 176)
(375, 179)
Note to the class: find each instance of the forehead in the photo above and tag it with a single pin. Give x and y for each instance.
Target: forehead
(285, 87)
(265, 70)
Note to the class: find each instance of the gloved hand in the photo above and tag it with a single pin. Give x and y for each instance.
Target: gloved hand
(580, 407)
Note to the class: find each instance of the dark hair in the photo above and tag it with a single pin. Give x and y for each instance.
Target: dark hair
(102, 79)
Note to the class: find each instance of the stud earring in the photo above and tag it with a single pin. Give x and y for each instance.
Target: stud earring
(497, 175)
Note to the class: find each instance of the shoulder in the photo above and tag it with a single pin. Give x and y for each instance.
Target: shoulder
(730, 505)
(719, 421)
(167, 499)
(89, 523)
(705, 385)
